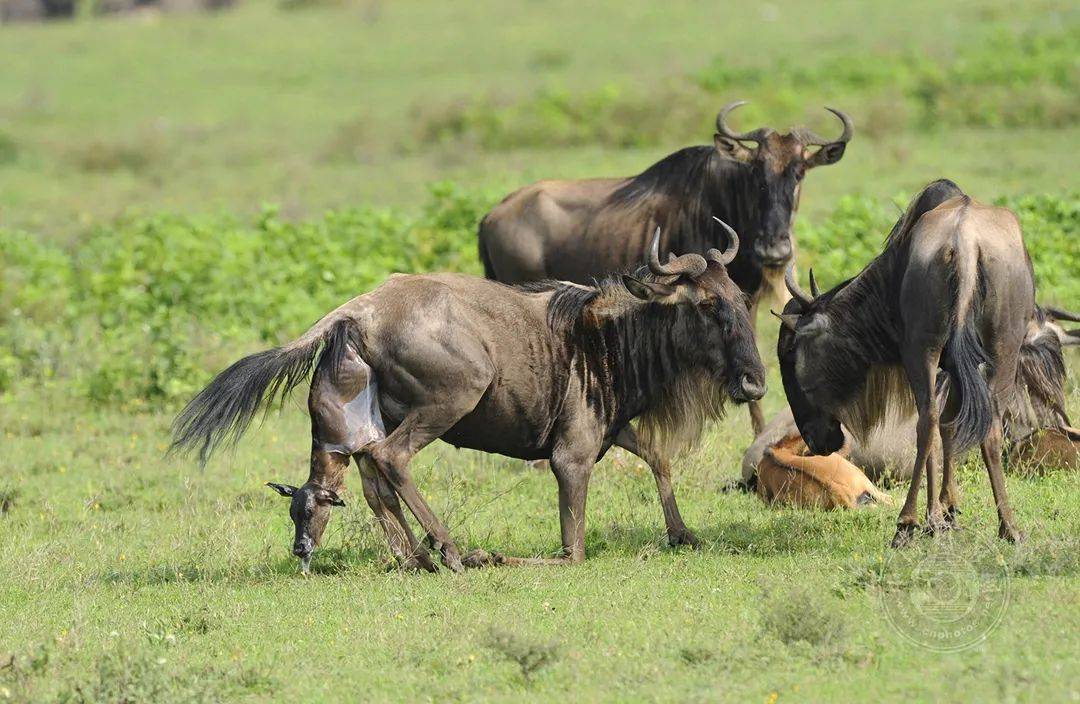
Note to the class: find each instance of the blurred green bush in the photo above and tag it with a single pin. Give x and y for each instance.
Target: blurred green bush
(143, 310)
(1009, 80)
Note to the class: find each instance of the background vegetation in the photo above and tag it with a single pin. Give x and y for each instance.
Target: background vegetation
(178, 191)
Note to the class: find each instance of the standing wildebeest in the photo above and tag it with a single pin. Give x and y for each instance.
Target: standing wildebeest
(952, 291)
(581, 230)
(552, 370)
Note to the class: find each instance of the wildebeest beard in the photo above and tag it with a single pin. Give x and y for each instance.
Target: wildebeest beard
(639, 360)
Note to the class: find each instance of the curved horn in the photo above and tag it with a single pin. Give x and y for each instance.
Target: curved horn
(813, 285)
(688, 264)
(1060, 314)
(757, 135)
(724, 258)
(812, 138)
(793, 288)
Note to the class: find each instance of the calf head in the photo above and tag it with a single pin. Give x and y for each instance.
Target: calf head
(775, 164)
(310, 511)
(719, 321)
(804, 351)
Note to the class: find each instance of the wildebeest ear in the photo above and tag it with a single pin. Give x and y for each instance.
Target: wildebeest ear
(818, 323)
(829, 154)
(788, 320)
(646, 291)
(329, 497)
(731, 148)
(283, 489)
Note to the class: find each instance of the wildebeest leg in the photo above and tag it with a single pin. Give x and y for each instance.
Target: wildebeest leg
(950, 494)
(991, 454)
(678, 533)
(935, 517)
(382, 499)
(420, 427)
(921, 373)
(572, 468)
(572, 475)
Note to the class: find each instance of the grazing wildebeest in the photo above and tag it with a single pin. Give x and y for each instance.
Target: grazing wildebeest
(952, 291)
(887, 452)
(581, 230)
(550, 370)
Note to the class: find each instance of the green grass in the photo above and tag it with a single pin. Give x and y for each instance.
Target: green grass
(326, 107)
(112, 557)
(128, 577)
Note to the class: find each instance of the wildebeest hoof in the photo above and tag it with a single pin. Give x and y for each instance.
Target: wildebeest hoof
(481, 558)
(418, 563)
(686, 537)
(452, 560)
(937, 524)
(905, 534)
(1010, 533)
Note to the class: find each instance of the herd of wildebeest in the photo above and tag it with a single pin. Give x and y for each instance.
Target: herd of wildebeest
(622, 311)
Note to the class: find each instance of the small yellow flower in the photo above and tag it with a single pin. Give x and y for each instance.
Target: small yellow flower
(773, 696)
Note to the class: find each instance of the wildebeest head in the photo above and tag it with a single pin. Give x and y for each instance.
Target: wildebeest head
(728, 347)
(777, 164)
(800, 350)
(310, 510)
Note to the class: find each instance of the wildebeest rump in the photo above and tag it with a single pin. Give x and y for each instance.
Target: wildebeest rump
(952, 291)
(552, 370)
(581, 230)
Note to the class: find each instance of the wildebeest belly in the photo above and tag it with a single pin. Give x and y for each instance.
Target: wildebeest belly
(507, 424)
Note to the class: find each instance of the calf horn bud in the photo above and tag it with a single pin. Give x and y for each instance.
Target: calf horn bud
(686, 265)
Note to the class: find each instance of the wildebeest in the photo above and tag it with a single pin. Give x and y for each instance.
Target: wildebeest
(887, 452)
(551, 370)
(581, 230)
(952, 291)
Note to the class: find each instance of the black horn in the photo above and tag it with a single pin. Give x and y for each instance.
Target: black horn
(730, 251)
(1060, 314)
(757, 135)
(849, 130)
(793, 288)
(687, 264)
(813, 285)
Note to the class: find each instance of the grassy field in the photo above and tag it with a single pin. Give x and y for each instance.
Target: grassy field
(137, 257)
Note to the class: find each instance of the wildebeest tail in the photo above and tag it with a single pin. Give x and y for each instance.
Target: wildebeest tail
(965, 358)
(222, 411)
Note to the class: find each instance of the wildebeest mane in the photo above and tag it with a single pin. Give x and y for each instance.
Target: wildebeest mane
(683, 192)
(1041, 379)
(567, 301)
(630, 357)
(681, 176)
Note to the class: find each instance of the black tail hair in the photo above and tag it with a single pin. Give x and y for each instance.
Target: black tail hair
(968, 365)
(222, 411)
